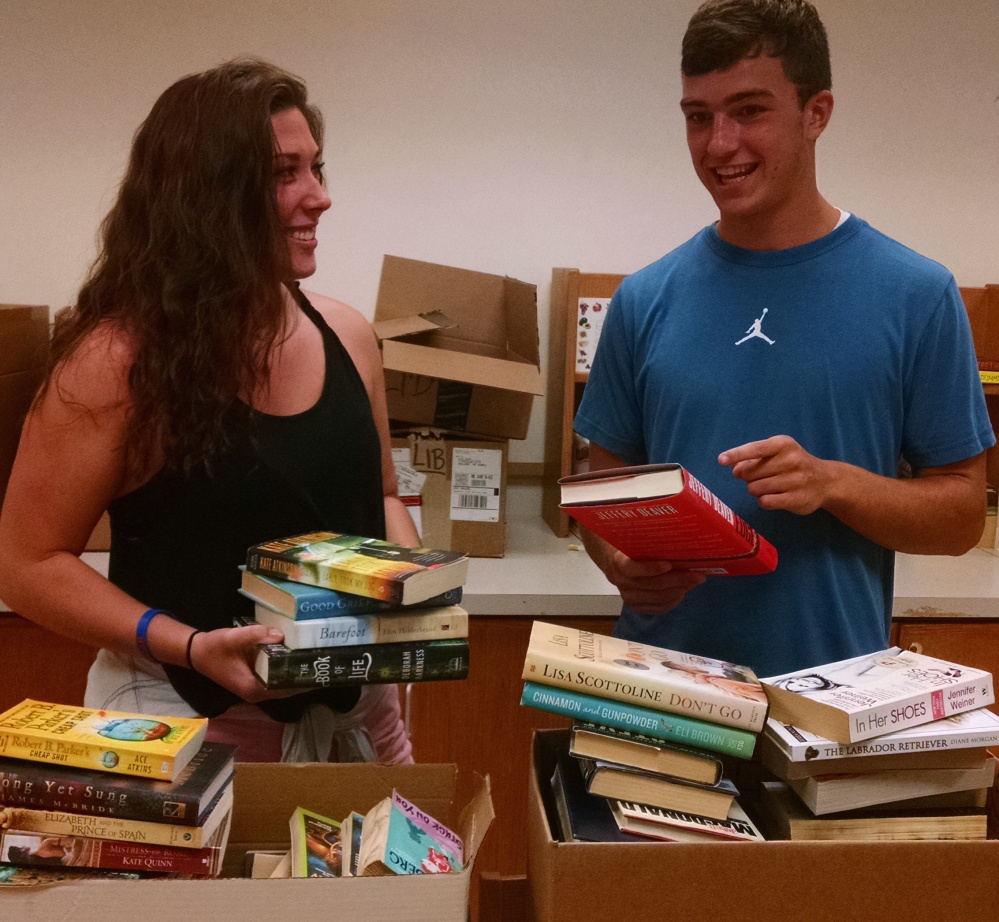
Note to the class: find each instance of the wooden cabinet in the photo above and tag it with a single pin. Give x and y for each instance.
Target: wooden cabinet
(982, 305)
(565, 384)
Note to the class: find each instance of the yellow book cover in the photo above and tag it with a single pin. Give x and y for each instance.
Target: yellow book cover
(113, 741)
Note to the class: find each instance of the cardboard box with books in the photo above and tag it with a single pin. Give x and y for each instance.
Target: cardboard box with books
(460, 348)
(265, 796)
(461, 486)
(760, 881)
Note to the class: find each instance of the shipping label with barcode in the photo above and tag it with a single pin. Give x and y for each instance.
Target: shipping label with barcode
(476, 480)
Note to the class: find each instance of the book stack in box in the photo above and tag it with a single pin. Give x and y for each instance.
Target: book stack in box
(357, 611)
(841, 775)
(651, 729)
(112, 792)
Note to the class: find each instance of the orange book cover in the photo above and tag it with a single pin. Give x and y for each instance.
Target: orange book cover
(663, 512)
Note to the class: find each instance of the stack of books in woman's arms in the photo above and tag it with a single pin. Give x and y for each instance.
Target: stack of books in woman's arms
(893, 745)
(357, 611)
(650, 729)
(112, 791)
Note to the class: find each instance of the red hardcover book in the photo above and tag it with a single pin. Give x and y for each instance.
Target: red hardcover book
(663, 512)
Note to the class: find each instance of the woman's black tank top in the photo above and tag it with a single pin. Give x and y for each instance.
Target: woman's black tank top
(177, 541)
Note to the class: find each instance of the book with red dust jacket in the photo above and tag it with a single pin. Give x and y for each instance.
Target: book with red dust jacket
(663, 512)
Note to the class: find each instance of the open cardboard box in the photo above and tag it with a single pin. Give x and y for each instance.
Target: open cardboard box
(460, 348)
(754, 882)
(265, 797)
(462, 489)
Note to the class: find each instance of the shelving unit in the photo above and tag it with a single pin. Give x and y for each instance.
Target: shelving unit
(565, 385)
(982, 305)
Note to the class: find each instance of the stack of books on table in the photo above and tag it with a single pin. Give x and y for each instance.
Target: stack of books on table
(111, 791)
(652, 729)
(893, 745)
(357, 611)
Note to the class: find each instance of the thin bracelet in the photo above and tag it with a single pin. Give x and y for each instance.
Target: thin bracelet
(190, 641)
(142, 632)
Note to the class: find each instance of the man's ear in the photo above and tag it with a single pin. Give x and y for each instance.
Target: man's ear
(817, 112)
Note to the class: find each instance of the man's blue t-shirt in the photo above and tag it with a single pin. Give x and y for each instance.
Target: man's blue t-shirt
(853, 345)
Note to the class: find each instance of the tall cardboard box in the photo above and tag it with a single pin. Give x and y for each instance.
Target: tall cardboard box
(461, 486)
(24, 336)
(750, 881)
(265, 797)
(460, 348)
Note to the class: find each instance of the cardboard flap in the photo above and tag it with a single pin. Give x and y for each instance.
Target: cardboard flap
(522, 319)
(477, 816)
(399, 327)
(410, 358)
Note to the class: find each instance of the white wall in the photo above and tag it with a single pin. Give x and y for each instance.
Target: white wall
(507, 136)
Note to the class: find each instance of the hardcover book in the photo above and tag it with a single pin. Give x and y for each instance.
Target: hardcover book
(788, 818)
(958, 741)
(583, 817)
(620, 783)
(399, 838)
(110, 741)
(356, 630)
(591, 741)
(40, 849)
(301, 602)
(59, 823)
(315, 845)
(372, 664)
(663, 512)
(867, 696)
(675, 826)
(656, 724)
(363, 566)
(46, 786)
(653, 677)
(836, 793)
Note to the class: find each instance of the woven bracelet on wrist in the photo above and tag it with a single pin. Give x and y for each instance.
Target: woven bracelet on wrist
(142, 632)
(190, 641)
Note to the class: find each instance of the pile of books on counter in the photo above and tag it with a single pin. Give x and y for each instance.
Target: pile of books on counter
(893, 745)
(357, 611)
(106, 793)
(652, 732)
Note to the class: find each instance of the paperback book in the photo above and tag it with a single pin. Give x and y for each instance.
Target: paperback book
(357, 630)
(867, 696)
(399, 838)
(60, 823)
(302, 602)
(363, 566)
(47, 786)
(836, 793)
(372, 664)
(659, 725)
(663, 512)
(788, 818)
(110, 741)
(620, 783)
(315, 845)
(351, 829)
(953, 742)
(591, 741)
(654, 677)
(676, 826)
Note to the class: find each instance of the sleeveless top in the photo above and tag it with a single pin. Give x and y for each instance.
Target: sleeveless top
(178, 540)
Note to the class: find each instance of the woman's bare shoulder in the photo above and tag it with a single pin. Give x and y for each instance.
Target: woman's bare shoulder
(95, 373)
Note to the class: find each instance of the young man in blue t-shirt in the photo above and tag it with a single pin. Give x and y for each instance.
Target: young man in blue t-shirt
(789, 356)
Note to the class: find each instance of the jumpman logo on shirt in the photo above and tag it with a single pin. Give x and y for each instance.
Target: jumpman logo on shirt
(755, 331)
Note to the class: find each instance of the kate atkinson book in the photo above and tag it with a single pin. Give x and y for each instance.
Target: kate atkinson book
(110, 741)
(373, 664)
(357, 630)
(625, 670)
(663, 512)
(363, 566)
(659, 725)
(867, 696)
(45, 786)
(302, 602)
(959, 741)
